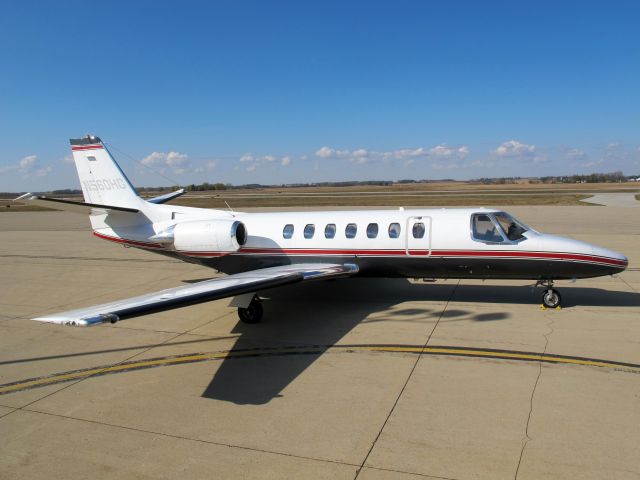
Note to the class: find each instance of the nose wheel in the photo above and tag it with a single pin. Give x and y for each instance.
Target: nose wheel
(252, 313)
(551, 297)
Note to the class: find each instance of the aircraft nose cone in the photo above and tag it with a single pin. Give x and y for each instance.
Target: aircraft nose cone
(618, 261)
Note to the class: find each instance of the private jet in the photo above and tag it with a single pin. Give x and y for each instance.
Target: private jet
(259, 251)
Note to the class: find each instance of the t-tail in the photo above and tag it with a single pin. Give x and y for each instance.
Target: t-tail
(101, 179)
(105, 187)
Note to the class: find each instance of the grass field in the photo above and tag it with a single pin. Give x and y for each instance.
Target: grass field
(9, 206)
(442, 200)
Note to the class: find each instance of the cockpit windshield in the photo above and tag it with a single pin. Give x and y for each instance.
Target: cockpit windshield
(511, 227)
(499, 227)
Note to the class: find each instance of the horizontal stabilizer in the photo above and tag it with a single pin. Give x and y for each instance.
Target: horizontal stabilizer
(208, 290)
(166, 197)
(70, 205)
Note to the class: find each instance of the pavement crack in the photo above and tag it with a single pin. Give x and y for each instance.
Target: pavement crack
(527, 438)
(404, 386)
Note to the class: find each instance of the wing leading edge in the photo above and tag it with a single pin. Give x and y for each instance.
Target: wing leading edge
(200, 292)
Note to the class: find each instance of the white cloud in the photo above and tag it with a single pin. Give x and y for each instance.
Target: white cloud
(444, 166)
(27, 163)
(444, 151)
(576, 154)
(43, 172)
(480, 164)
(211, 165)
(406, 153)
(360, 153)
(593, 163)
(514, 148)
(253, 162)
(27, 166)
(169, 159)
(68, 159)
(325, 152)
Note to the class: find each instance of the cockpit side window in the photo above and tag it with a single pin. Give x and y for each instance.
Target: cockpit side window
(484, 229)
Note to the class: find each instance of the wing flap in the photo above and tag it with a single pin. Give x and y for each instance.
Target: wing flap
(200, 292)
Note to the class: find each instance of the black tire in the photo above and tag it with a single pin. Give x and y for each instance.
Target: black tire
(251, 314)
(551, 298)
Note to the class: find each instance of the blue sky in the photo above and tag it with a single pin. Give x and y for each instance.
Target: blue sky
(273, 92)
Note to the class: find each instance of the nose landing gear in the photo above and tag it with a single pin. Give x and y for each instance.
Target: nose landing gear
(551, 298)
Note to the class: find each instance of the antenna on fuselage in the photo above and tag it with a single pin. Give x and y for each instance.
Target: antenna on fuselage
(229, 207)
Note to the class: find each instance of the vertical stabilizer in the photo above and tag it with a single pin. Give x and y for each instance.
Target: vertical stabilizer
(101, 179)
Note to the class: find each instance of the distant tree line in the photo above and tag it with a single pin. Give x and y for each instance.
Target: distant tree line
(612, 177)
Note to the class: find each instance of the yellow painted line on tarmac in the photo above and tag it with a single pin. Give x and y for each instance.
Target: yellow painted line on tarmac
(468, 352)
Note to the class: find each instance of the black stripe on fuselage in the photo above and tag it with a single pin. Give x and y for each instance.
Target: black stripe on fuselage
(430, 267)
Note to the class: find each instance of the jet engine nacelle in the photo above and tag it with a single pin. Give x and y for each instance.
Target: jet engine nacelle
(209, 236)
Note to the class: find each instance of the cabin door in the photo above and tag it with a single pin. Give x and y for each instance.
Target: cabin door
(418, 236)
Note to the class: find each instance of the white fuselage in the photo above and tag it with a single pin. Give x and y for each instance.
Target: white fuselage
(437, 243)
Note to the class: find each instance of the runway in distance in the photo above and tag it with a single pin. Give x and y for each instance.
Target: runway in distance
(258, 251)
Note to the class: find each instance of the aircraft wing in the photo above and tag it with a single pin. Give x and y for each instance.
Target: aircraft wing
(205, 291)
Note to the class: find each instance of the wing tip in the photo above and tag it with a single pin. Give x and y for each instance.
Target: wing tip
(80, 322)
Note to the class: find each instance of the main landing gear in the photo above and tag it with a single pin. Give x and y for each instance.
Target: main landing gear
(252, 313)
(551, 297)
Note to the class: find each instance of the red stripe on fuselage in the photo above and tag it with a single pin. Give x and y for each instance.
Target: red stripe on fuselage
(555, 256)
(76, 148)
(133, 243)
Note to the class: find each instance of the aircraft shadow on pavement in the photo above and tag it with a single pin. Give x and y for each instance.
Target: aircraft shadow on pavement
(324, 312)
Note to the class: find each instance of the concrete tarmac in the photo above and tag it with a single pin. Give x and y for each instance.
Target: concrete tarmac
(354, 378)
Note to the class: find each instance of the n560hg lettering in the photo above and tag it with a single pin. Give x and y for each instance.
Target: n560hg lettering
(105, 184)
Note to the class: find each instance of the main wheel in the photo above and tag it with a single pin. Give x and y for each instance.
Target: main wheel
(551, 298)
(251, 314)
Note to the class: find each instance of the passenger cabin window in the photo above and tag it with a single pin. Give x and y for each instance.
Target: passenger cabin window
(287, 231)
(418, 230)
(309, 230)
(372, 230)
(351, 230)
(330, 230)
(484, 229)
(394, 230)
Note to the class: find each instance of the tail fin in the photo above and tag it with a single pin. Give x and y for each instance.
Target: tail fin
(101, 179)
